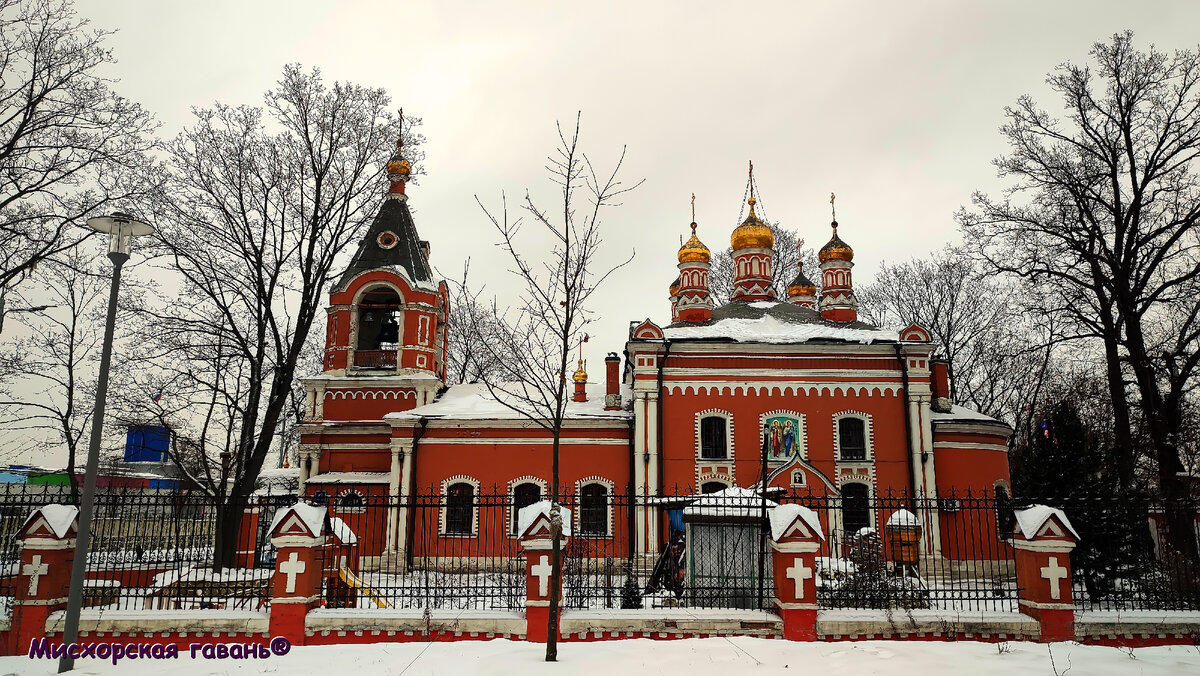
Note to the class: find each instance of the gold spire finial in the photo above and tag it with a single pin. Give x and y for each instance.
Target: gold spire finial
(693, 211)
(752, 181)
(833, 207)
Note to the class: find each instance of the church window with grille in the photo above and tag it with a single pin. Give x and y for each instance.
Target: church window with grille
(593, 510)
(713, 443)
(524, 495)
(856, 508)
(852, 439)
(460, 509)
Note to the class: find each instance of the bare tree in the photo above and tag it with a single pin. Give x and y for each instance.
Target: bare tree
(991, 348)
(69, 146)
(473, 325)
(260, 206)
(1104, 211)
(542, 329)
(50, 392)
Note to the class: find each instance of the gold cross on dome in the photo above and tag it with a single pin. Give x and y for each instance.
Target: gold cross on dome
(693, 207)
(832, 206)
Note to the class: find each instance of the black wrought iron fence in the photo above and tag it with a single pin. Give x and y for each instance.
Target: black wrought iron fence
(150, 549)
(1126, 557)
(153, 549)
(948, 552)
(425, 551)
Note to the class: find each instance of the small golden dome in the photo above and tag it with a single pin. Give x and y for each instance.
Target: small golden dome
(836, 249)
(675, 286)
(398, 165)
(752, 232)
(580, 375)
(801, 285)
(694, 250)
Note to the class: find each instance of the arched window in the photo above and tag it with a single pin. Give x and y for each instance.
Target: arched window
(378, 334)
(713, 442)
(856, 508)
(350, 501)
(524, 495)
(460, 509)
(593, 510)
(712, 487)
(852, 439)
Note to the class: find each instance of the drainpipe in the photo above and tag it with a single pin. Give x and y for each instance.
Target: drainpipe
(412, 483)
(659, 432)
(630, 512)
(907, 422)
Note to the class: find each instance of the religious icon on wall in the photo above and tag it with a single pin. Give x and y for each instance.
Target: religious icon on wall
(782, 438)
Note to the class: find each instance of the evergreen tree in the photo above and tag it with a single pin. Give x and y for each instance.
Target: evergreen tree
(1063, 465)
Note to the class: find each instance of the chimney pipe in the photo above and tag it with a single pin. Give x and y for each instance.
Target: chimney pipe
(612, 382)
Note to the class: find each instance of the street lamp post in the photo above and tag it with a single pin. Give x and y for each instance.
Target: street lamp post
(121, 228)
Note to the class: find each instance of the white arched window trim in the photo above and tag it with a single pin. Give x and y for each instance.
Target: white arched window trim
(868, 433)
(841, 524)
(719, 413)
(512, 496)
(446, 484)
(340, 508)
(577, 515)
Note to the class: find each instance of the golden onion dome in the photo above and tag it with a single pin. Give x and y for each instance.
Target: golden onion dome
(675, 286)
(836, 249)
(694, 250)
(752, 232)
(398, 165)
(801, 285)
(580, 375)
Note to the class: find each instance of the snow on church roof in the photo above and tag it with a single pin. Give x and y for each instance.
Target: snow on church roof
(963, 414)
(473, 401)
(776, 323)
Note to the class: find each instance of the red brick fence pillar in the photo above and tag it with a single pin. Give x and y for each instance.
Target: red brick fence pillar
(298, 534)
(1043, 539)
(795, 539)
(537, 542)
(47, 543)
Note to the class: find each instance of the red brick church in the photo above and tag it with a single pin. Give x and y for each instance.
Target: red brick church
(844, 407)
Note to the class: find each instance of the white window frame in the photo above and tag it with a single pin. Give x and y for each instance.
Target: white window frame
(841, 524)
(512, 494)
(446, 484)
(577, 517)
(718, 413)
(868, 434)
(337, 502)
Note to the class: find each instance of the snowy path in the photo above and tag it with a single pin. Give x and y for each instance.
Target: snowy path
(693, 657)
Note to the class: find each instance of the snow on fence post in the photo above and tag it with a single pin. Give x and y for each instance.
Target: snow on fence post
(47, 546)
(537, 540)
(795, 539)
(1043, 539)
(298, 533)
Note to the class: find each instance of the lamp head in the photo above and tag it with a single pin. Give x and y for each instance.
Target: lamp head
(121, 229)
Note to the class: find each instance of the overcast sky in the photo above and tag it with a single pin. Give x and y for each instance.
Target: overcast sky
(894, 106)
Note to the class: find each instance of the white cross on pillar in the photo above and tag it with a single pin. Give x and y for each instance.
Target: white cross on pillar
(1055, 574)
(35, 569)
(799, 573)
(292, 567)
(542, 570)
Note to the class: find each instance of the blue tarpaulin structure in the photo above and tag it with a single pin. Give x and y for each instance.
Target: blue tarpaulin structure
(146, 443)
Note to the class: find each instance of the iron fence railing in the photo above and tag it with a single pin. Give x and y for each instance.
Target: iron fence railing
(154, 549)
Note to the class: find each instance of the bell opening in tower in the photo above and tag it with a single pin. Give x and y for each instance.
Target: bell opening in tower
(378, 329)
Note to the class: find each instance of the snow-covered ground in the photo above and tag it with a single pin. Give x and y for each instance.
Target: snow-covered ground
(694, 657)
